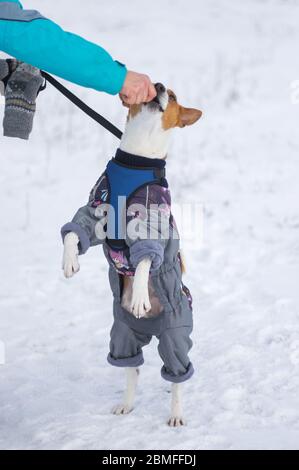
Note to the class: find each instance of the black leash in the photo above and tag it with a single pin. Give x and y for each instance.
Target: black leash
(83, 106)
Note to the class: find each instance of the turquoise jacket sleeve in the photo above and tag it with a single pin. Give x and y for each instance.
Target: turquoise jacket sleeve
(38, 41)
(11, 1)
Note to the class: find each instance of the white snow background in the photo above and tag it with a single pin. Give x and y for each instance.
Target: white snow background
(235, 61)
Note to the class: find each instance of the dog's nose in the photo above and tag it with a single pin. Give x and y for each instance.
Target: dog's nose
(160, 88)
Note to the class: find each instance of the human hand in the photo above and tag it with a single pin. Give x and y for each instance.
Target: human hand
(137, 89)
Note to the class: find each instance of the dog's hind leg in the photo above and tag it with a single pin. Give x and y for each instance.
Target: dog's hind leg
(129, 395)
(176, 418)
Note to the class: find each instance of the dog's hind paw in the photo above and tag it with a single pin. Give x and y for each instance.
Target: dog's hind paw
(176, 421)
(122, 409)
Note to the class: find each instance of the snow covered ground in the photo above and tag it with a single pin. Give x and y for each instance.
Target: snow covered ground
(235, 60)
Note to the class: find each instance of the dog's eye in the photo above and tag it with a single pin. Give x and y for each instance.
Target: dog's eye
(172, 97)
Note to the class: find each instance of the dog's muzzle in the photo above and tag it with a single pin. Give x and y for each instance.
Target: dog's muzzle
(155, 103)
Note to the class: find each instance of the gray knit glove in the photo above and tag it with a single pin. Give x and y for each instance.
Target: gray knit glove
(21, 91)
(7, 67)
(4, 71)
(3, 74)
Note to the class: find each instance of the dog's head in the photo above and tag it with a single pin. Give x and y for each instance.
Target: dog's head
(149, 124)
(173, 114)
(166, 106)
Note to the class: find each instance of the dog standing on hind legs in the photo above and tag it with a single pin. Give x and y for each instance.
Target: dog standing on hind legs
(129, 213)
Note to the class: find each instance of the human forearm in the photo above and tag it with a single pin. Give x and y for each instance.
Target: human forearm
(45, 45)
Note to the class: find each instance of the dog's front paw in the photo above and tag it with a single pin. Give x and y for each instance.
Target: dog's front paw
(140, 304)
(70, 263)
(122, 409)
(176, 421)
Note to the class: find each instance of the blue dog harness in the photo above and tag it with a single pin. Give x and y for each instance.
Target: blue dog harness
(126, 173)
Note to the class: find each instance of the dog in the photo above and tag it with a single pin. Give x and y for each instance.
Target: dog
(145, 271)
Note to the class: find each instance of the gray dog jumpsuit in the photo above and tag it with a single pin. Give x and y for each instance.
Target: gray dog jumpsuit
(149, 205)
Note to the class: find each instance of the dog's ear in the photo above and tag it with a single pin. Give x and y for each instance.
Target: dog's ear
(188, 116)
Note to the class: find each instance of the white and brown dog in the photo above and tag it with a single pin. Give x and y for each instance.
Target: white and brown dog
(146, 136)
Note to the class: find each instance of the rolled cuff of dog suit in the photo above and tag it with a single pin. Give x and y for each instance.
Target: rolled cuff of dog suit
(147, 249)
(134, 361)
(178, 378)
(84, 242)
